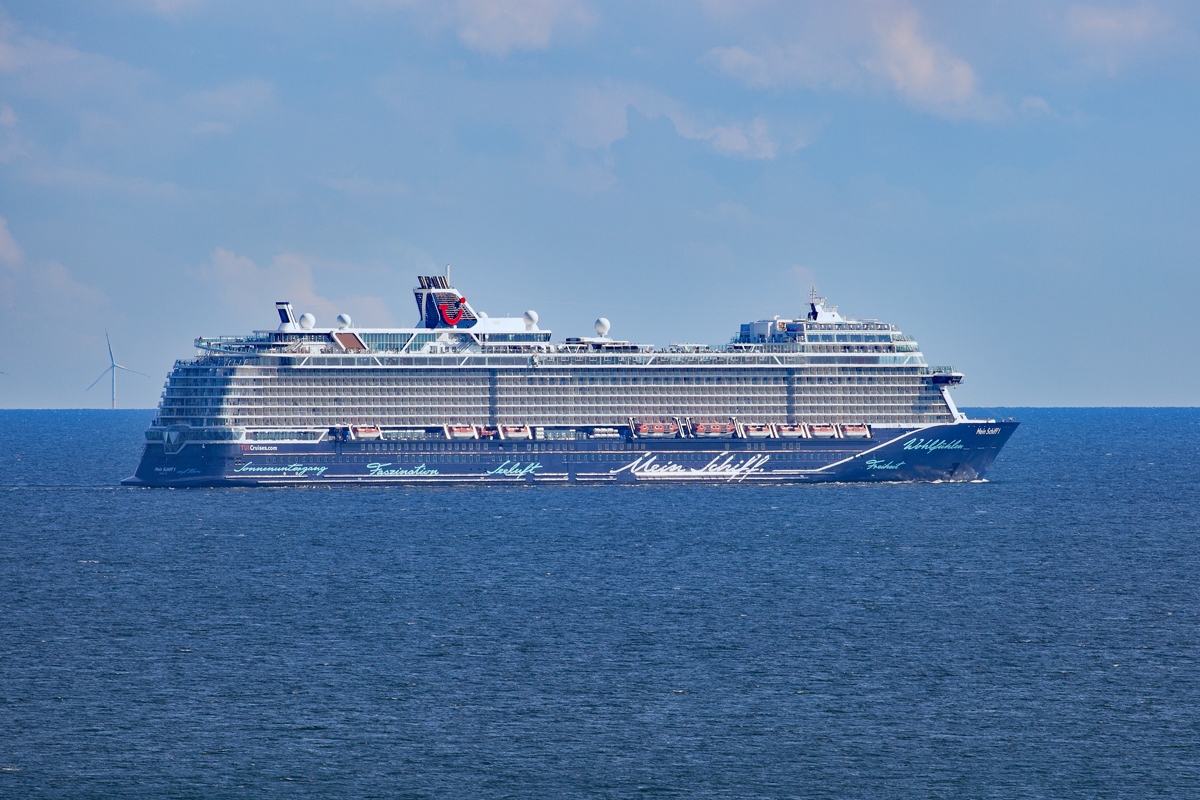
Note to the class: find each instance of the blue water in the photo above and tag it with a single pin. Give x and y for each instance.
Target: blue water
(1035, 636)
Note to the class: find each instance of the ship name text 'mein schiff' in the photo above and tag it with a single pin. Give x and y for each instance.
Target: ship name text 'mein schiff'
(467, 398)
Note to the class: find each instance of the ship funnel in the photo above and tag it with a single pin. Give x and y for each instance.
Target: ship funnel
(287, 317)
(441, 305)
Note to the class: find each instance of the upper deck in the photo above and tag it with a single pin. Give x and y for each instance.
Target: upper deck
(451, 332)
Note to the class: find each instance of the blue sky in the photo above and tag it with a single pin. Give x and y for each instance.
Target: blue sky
(1014, 184)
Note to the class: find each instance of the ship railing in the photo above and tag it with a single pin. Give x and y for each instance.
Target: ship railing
(232, 339)
(943, 370)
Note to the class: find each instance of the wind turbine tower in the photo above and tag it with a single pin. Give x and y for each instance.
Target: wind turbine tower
(112, 371)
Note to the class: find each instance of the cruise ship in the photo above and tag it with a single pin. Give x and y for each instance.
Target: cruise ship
(464, 398)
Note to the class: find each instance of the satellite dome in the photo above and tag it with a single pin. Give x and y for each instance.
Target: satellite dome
(307, 321)
(343, 320)
(531, 318)
(602, 326)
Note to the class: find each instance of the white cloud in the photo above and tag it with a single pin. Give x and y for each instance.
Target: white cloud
(600, 117)
(102, 107)
(234, 100)
(832, 61)
(1116, 25)
(97, 180)
(497, 27)
(738, 62)
(10, 252)
(219, 108)
(59, 73)
(11, 143)
(857, 44)
(252, 290)
(1109, 38)
(169, 8)
(32, 294)
(925, 74)
(1037, 106)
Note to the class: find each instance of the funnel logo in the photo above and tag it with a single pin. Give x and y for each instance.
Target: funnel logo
(460, 309)
(445, 309)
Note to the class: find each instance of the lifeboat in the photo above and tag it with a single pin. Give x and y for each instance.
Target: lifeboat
(710, 430)
(657, 429)
(462, 431)
(822, 430)
(757, 431)
(516, 432)
(790, 431)
(856, 431)
(365, 432)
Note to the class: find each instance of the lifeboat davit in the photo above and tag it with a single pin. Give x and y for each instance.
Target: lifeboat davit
(822, 430)
(856, 431)
(710, 430)
(365, 432)
(657, 430)
(757, 431)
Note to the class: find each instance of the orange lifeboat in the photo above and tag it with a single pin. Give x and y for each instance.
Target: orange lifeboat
(657, 430)
(462, 431)
(516, 431)
(711, 430)
(856, 431)
(790, 431)
(757, 431)
(822, 430)
(365, 432)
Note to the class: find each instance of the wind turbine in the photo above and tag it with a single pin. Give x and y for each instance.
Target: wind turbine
(114, 366)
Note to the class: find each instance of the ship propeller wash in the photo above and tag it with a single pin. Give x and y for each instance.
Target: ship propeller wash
(466, 398)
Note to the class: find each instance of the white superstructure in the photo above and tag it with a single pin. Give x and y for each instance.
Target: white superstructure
(458, 366)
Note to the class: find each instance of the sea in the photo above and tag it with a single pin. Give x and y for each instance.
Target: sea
(1033, 636)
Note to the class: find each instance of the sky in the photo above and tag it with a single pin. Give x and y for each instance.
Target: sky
(1014, 184)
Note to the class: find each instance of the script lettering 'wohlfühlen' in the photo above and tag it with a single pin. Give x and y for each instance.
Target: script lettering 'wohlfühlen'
(929, 445)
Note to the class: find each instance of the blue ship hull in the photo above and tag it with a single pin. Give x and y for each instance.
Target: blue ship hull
(954, 452)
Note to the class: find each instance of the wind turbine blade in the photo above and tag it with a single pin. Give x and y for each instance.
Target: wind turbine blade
(110, 355)
(134, 371)
(102, 374)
